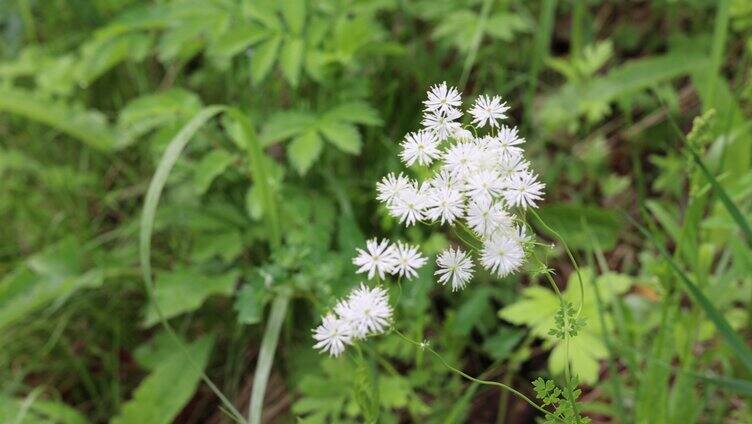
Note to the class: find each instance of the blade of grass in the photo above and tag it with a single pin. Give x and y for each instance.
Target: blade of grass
(542, 40)
(477, 38)
(154, 193)
(261, 177)
(720, 33)
(737, 345)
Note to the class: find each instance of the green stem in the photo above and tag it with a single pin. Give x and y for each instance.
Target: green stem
(477, 38)
(520, 395)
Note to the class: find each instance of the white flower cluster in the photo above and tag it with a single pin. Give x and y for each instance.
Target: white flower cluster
(479, 179)
(479, 182)
(364, 312)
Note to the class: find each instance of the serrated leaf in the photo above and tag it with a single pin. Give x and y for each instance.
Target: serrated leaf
(237, 39)
(184, 290)
(102, 54)
(294, 12)
(263, 57)
(284, 125)
(291, 59)
(162, 395)
(354, 112)
(343, 135)
(304, 150)
(585, 352)
(89, 126)
(250, 304)
(210, 167)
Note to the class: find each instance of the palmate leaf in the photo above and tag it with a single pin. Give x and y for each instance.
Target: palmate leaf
(160, 396)
(304, 150)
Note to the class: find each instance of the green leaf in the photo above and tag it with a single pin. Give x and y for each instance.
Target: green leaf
(103, 53)
(88, 126)
(345, 136)
(737, 345)
(236, 40)
(304, 150)
(226, 245)
(37, 411)
(162, 395)
(294, 12)
(49, 276)
(355, 113)
(210, 167)
(567, 219)
(501, 344)
(291, 59)
(263, 57)
(152, 111)
(283, 125)
(184, 290)
(250, 304)
(471, 311)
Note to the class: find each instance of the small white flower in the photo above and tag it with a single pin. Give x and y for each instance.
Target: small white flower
(446, 204)
(332, 335)
(455, 266)
(410, 206)
(366, 310)
(483, 184)
(512, 166)
(460, 159)
(409, 260)
(461, 134)
(391, 186)
(524, 190)
(442, 124)
(421, 146)
(488, 110)
(445, 179)
(502, 254)
(507, 141)
(487, 218)
(441, 99)
(380, 258)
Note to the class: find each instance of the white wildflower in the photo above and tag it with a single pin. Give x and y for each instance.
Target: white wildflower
(507, 141)
(445, 179)
(483, 184)
(512, 166)
(460, 159)
(409, 260)
(366, 310)
(379, 258)
(442, 124)
(332, 335)
(488, 110)
(455, 267)
(392, 186)
(487, 218)
(442, 99)
(461, 134)
(524, 190)
(445, 204)
(502, 255)
(421, 146)
(410, 206)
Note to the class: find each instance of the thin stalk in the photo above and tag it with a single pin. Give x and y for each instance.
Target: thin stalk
(520, 395)
(540, 52)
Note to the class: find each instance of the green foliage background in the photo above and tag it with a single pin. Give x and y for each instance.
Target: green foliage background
(264, 125)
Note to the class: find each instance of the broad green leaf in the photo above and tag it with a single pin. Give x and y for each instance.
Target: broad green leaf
(263, 57)
(585, 352)
(264, 11)
(567, 219)
(102, 54)
(226, 245)
(184, 290)
(501, 344)
(49, 276)
(284, 125)
(210, 167)
(594, 97)
(345, 136)
(249, 304)
(304, 150)
(151, 111)
(471, 311)
(236, 40)
(33, 410)
(354, 112)
(89, 126)
(162, 394)
(294, 12)
(291, 59)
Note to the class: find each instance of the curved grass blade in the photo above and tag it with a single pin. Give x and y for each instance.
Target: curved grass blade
(740, 349)
(158, 181)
